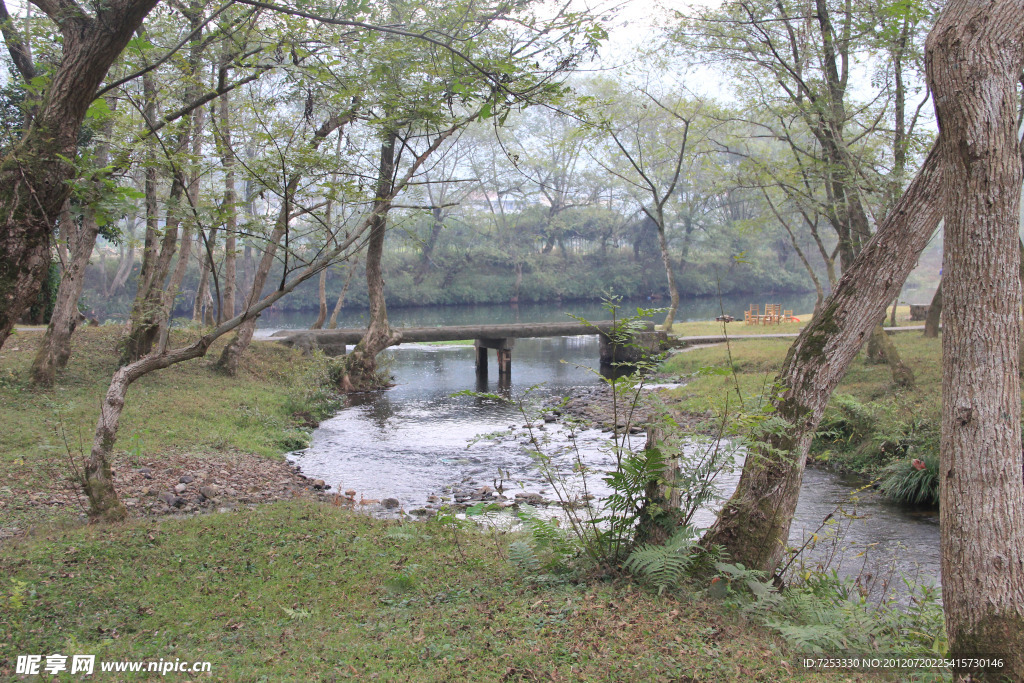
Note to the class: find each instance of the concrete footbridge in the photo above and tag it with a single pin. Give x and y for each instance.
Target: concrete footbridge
(501, 338)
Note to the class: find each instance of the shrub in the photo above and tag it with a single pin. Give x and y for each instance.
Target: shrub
(914, 481)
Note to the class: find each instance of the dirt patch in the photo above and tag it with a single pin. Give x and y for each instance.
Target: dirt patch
(177, 483)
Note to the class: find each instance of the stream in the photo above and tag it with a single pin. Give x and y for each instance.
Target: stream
(418, 442)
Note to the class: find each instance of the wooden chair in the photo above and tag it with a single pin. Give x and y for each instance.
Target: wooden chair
(752, 316)
(787, 316)
(772, 313)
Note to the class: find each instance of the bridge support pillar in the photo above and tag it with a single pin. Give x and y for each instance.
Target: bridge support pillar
(504, 362)
(503, 346)
(481, 360)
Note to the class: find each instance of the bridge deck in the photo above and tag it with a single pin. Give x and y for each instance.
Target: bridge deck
(451, 333)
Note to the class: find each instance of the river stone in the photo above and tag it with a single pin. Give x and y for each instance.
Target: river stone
(186, 479)
(390, 503)
(319, 484)
(171, 499)
(209, 491)
(181, 488)
(530, 498)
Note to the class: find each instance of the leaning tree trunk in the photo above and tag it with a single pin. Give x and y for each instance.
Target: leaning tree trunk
(361, 365)
(144, 321)
(975, 56)
(232, 353)
(34, 175)
(104, 503)
(931, 321)
(55, 349)
(754, 524)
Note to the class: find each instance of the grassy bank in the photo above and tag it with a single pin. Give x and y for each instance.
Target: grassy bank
(870, 423)
(305, 591)
(268, 408)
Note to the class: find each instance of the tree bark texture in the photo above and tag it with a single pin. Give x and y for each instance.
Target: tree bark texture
(754, 524)
(34, 174)
(975, 55)
(362, 362)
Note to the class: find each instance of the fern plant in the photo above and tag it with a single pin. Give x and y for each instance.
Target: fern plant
(666, 566)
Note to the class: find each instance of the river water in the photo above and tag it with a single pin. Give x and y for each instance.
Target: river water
(420, 439)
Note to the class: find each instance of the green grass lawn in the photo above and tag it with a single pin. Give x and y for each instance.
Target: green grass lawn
(739, 328)
(305, 591)
(888, 412)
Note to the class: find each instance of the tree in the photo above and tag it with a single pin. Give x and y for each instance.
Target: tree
(477, 89)
(797, 62)
(34, 174)
(753, 525)
(975, 58)
(658, 148)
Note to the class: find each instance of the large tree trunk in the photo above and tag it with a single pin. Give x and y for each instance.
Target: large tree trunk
(754, 524)
(362, 362)
(34, 175)
(55, 349)
(974, 56)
